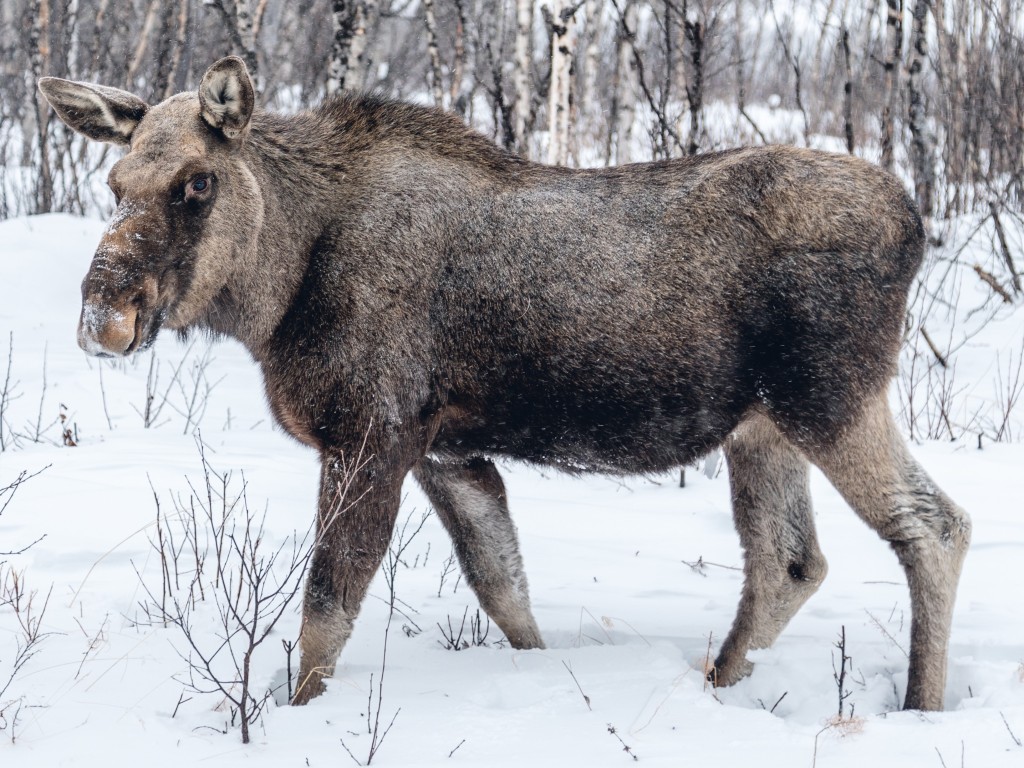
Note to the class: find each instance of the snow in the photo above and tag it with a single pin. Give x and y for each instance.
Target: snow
(627, 621)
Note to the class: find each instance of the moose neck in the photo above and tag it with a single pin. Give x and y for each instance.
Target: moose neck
(293, 209)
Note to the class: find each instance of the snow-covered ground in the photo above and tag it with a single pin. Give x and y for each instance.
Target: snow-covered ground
(626, 614)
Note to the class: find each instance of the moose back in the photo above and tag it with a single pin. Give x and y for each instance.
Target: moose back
(419, 300)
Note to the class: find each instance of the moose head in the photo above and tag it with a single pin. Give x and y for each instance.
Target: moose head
(176, 235)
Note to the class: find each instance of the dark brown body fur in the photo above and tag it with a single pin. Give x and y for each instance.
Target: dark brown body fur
(419, 300)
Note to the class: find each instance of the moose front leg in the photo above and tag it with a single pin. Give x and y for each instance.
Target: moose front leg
(356, 516)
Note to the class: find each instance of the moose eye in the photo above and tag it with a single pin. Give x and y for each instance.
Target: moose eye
(198, 188)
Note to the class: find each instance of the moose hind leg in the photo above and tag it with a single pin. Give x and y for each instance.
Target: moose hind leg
(469, 498)
(869, 464)
(783, 565)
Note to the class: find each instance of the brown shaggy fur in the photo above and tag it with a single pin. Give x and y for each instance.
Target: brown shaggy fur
(420, 300)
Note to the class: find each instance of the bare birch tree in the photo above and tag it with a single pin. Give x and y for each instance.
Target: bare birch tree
(174, 80)
(433, 53)
(139, 57)
(343, 20)
(694, 32)
(626, 84)
(563, 43)
(39, 47)
(892, 64)
(844, 37)
(592, 60)
(459, 65)
(239, 23)
(922, 160)
(365, 20)
(521, 74)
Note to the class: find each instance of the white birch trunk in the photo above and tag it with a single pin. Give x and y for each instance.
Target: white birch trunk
(257, 19)
(243, 20)
(435, 55)
(455, 88)
(180, 41)
(521, 74)
(366, 15)
(893, 62)
(143, 44)
(627, 86)
(342, 24)
(71, 30)
(39, 57)
(592, 62)
(93, 66)
(921, 142)
(563, 42)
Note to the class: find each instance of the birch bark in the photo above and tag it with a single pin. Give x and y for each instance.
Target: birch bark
(521, 74)
(434, 53)
(563, 42)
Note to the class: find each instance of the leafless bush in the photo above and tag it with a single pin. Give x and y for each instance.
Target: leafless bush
(195, 395)
(7, 496)
(840, 723)
(188, 398)
(1009, 388)
(401, 540)
(155, 401)
(24, 604)
(458, 640)
(216, 564)
(839, 675)
(8, 394)
(448, 567)
(28, 610)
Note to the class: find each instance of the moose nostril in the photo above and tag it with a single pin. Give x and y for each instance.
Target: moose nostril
(139, 300)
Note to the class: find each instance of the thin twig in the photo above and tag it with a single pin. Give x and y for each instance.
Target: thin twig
(625, 747)
(573, 675)
(990, 280)
(935, 350)
(1012, 734)
(885, 632)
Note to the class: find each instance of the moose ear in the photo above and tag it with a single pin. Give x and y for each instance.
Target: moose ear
(226, 96)
(95, 111)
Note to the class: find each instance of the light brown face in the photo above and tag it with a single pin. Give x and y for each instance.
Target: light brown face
(181, 191)
(162, 241)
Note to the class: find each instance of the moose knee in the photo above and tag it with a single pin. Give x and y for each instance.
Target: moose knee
(949, 527)
(809, 570)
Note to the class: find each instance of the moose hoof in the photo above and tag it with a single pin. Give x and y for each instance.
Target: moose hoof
(727, 672)
(526, 640)
(918, 699)
(308, 691)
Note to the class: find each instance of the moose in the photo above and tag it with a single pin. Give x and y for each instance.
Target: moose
(420, 300)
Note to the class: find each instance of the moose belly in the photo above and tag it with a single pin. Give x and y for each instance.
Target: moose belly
(584, 433)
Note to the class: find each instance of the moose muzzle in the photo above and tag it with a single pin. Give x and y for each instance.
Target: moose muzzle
(108, 331)
(119, 293)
